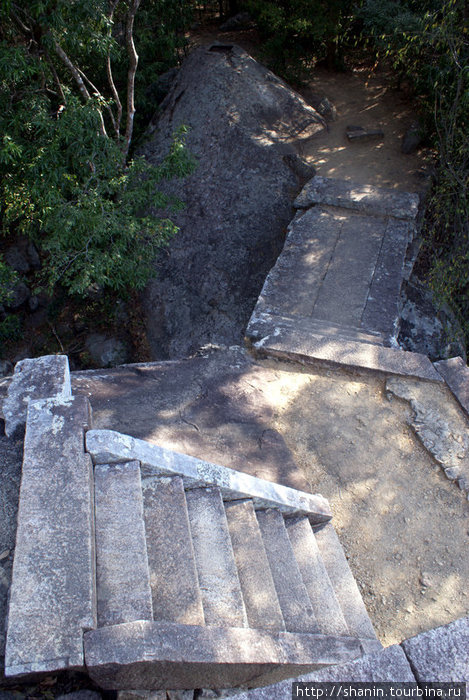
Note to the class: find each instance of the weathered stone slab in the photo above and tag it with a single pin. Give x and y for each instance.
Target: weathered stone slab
(321, 593)
(52, 593)
(388, 665)
(123, 578)
(292, 285)
(358, 133)
(218, 577)
(287, 342)
(108, 446)
(344, 290)
(40, 378)
(157, 655)
(377, 201)
(439, 424)
(173, 575)
(382, 308)
(263, 323)
(345, 586)
(295, 604)
(442, 654)
(260, 598)
(455, 372)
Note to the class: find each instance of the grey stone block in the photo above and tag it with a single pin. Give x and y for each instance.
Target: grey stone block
(326, 607)
(162, 654)
(52, 596)
(141, 695)
(262, 324)
(218, 577)
(40, 378)
(455, 372)
(108, 446)
(295, 344)
(346, 589)
(377, 201)
(382, 308)
(344, 290)
(173, 574)
(260, 598)
(292, 285)
(442, 654)
(123, 578)
(295, 604)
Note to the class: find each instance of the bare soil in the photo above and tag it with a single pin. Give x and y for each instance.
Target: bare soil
(404, 526)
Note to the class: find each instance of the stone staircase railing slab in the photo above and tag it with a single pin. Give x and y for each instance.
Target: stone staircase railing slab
(39, 378)
(376, 201)
(108, 446)
(162, 654)
(53, 597)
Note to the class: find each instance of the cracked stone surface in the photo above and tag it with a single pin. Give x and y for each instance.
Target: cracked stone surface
(439, 424)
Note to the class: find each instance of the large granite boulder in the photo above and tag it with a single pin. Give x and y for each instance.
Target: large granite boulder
(246, 128)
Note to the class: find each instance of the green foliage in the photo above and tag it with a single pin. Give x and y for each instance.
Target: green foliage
(66, 183)
(429, 44)
(295, 31)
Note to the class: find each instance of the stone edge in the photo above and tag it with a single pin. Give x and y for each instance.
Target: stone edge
(109, 446)
(455, 373)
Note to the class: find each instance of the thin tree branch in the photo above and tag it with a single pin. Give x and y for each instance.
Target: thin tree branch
(133, 62)
(110, 78)
(56, 78)
(96, 91)
(79, 80)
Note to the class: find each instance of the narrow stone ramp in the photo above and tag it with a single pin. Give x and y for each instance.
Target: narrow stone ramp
(202, 576)
(336, 285)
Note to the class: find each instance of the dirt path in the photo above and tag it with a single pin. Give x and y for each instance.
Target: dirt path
(361, 97)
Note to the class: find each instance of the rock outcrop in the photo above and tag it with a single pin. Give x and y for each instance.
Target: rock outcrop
(245, 126)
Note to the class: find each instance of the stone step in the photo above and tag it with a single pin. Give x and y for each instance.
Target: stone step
(345, 587)
(292, 342)
(218, 577)
(295, 604)
(262, 324)
(376, 201)
(52, 595)
(326, 607)
(382, 309)
(171, 560)
(260, 598)
(149, 655)
(122, 574)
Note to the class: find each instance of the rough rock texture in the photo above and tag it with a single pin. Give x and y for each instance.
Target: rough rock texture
(442, 654)
(456, 374)
(439, 424)
(11, 454)
(245, 124)
(41, 378)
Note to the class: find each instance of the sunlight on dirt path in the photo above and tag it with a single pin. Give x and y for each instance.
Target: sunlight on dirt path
(404, 526)
(365, 100)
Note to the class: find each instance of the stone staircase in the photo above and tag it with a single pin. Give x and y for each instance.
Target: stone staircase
(335, 288)
(153, 569)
